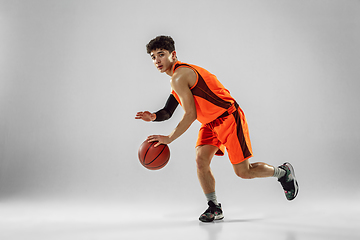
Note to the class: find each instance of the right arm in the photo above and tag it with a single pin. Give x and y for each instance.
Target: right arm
(161, 115)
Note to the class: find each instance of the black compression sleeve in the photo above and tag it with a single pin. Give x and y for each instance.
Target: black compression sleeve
(168, 110)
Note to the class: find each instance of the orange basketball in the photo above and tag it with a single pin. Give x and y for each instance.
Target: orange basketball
(153, 158)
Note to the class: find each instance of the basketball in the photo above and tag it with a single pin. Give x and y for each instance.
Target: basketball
(153, 158)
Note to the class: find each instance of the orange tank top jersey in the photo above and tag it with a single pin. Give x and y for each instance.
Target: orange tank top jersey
(214, 106)
(212, 99)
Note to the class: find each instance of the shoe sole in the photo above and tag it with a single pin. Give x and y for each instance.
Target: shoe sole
(218, 217)
(295, 181)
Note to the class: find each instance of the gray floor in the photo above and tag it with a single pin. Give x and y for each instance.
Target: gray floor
(52, 221)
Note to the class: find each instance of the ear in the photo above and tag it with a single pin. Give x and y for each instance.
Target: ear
(173, 55)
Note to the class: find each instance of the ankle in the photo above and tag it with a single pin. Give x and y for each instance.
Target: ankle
(212, 197)
(279, 172)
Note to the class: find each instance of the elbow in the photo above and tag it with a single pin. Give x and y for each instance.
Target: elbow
(192, 116)
(195, 116)
(169, 115)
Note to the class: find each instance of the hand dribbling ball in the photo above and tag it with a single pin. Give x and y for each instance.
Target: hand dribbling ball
(153, 158)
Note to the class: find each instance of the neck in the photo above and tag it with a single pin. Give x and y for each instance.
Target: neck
(170, 71)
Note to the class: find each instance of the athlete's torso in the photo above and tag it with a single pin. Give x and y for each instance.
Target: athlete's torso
(212, 99)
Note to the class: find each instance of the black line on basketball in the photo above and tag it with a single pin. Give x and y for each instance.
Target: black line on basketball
(159, 166)
(156, 156)
(147, 152)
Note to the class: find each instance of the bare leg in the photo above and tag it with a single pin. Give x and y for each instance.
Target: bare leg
(204, 155)
(249, 170)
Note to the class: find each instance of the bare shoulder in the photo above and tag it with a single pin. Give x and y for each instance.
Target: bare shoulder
(184, 76)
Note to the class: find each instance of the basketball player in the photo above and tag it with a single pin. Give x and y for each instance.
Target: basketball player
(224, 125)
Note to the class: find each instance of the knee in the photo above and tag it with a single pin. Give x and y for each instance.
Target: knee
(202, 164)
(244, 174)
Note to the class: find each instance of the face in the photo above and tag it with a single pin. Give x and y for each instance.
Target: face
(163, 60)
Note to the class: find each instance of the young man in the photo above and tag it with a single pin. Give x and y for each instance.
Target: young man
(224, 124)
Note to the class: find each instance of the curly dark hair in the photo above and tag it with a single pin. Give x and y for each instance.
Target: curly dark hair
(161, 42)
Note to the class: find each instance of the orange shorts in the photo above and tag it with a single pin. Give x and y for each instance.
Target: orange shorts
(230, 132)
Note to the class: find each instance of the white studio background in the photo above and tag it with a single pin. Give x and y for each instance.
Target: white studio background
(74, 73)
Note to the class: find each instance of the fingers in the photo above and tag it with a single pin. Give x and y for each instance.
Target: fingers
(154, 138)
(159, 139)
(139, 115)
(146, 116)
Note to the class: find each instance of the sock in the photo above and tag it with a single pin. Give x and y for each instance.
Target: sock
(279, 172)
(212, 197)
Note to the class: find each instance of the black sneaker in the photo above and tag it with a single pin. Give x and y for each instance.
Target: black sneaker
(288, 181)
(214, 212)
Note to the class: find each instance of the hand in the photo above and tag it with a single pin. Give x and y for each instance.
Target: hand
(146, 116)
(160, 139)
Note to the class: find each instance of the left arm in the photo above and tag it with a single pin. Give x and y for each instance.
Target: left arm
(180, 83)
